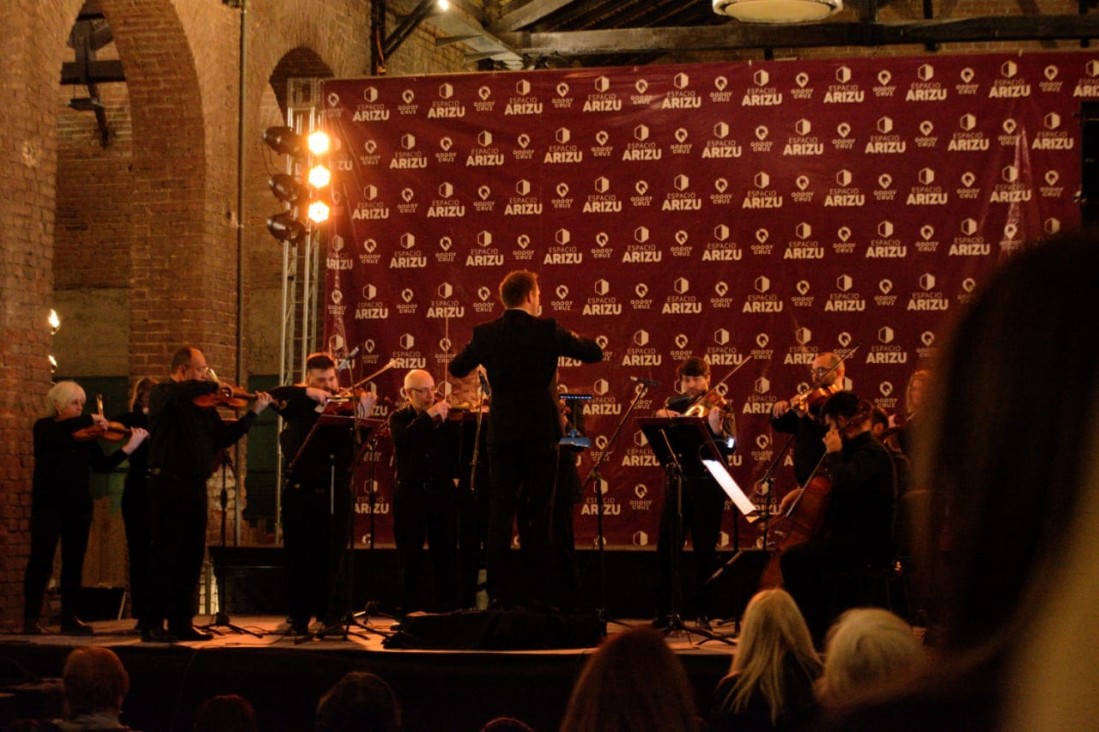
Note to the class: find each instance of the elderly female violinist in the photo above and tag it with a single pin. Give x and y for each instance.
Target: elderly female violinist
(65, 452)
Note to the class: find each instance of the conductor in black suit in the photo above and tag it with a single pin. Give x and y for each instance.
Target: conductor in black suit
(519, 352)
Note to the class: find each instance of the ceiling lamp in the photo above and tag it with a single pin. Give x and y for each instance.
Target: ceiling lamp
(777, 11)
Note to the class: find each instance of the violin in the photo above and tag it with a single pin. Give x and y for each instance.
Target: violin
(345, 403)
(703, 405)
(110, 431)
(810, 401)
(227, 395)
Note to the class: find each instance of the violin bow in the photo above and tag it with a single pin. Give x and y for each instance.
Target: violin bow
(392, 362)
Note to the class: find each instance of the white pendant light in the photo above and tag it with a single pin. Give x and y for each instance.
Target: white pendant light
(777, 11)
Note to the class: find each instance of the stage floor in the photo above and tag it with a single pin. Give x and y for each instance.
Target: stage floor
(438, 689)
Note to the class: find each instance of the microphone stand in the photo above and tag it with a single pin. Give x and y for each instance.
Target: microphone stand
(601, 609)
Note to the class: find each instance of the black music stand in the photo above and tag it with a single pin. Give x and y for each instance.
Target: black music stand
(680, 445)
(314, 446)
(221, 618)
(594, 474)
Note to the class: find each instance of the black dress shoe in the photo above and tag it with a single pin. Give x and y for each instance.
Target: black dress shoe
(76, 626)
(157, 635)
(191, 633)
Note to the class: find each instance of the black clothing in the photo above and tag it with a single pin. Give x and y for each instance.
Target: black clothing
(799, 704)
(61, 508)
(316, 507)
(520, 354)
(136, 515)
(185, 439)
(808, 441)
(184, 442)
(425, 507)
(703, 504)
(826, 575)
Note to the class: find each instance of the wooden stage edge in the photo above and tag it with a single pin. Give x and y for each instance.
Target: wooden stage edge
(438, 689)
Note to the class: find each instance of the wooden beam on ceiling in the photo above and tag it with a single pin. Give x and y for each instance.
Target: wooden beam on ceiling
(738, 35)
(530, 12)
(95, 72)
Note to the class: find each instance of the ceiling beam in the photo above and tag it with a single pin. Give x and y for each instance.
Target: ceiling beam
(739, 35)
(528, 13)
(94, 72)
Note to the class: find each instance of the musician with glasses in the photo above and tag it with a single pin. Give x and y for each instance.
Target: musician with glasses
(185, 441)
(826, 375)
(425, 502)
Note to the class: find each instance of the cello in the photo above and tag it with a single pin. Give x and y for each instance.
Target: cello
(800, 519)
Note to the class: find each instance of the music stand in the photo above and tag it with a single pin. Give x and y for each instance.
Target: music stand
(680, 445)
(315, 447)
(220, 618)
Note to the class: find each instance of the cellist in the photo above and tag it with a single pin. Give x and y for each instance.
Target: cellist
(824, 574)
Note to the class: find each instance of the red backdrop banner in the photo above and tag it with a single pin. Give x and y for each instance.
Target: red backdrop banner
(754, 213)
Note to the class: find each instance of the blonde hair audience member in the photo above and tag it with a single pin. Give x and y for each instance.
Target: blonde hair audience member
(867, 649)
(770, 684)
(633, 683)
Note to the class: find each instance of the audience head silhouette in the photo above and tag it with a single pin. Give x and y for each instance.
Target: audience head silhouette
(359, 702)
(633, 683)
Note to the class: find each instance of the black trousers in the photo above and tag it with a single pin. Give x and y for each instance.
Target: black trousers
(427, 512)
(137, 520)
(521, 479)
(48, 525)
(316, 528)
(823, 578)
(177, 549)
(703, 503)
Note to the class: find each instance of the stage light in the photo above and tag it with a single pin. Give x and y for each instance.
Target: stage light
(319, 176)
(287, 188)
(285, 227)
(777, 11)
(55, 321)
(318, 212)
(282, 140)
(318, 142)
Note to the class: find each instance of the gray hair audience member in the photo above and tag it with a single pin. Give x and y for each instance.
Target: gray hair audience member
(867, 649)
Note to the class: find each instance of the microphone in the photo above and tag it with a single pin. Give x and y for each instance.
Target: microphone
(484, 383)
(651, 383)
(347, 359)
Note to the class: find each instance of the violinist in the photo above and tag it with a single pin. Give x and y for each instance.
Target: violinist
(186, 439)
(316, 495)
(135, 500)
(425, 504)
(703, 500)
(61, 500)
(798, 416)
(824, 573)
